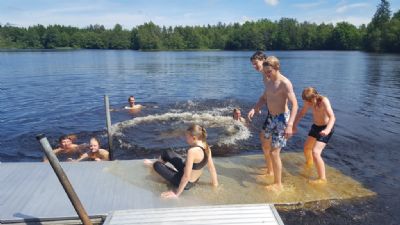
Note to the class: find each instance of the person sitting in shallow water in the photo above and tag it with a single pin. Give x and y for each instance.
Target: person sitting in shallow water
(237, 115)
(186, 172)
(67, 150)
(95, 153)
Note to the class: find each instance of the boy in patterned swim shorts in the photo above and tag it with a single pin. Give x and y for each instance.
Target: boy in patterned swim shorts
(278, 125)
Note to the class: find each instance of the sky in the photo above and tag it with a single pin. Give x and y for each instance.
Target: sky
(131, 13)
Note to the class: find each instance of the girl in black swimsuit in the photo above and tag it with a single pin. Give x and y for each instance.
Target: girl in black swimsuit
(187, 172)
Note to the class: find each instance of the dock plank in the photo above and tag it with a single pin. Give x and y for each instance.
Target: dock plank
(225, 214)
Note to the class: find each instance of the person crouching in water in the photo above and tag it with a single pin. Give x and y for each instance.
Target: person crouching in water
(186, 172)
(95, 153)
(320, 132)
(67, 150)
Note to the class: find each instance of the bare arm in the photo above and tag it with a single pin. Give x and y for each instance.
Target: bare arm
(292, 99)
(105, 154)
(300, 115)
(261, 101)
(82, 157)
(212, 170)
(55, 151)
(331, 115)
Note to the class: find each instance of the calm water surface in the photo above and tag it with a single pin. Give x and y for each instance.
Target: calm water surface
(61, 92)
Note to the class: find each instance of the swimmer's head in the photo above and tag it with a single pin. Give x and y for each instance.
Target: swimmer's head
(94, 144)
(271, 66)
(257, 60)
(65, 141)
(131, 100)
(236, 114)
(311, 95)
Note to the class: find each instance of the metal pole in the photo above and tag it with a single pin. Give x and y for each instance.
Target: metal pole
(109, 134)
(62, 177)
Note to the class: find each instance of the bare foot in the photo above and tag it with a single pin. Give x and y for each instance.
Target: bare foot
(318, 181)
(267, 172)
(274, 188)
(148, 162)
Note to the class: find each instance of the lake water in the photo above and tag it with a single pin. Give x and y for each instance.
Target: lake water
(61, 92)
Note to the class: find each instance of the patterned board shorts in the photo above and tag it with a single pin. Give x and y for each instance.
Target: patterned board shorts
(274, 127)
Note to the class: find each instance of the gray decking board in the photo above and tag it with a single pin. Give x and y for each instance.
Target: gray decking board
(223, 214)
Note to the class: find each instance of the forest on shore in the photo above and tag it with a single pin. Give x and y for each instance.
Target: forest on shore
(382, 34)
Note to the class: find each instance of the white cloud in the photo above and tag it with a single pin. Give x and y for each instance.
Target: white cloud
(345, 8)
(308, 5)
(355, 20)
(272, 2)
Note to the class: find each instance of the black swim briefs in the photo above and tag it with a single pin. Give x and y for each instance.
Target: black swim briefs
(315, 130)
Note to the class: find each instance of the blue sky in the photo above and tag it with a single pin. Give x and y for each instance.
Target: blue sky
(130, 13)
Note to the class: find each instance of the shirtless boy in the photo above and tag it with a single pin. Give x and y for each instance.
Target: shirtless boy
(278, 125)
(321, 131)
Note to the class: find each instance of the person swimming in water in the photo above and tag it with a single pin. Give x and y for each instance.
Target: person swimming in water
(187, 172)
(237, 115)
(132, 106)
(67, 150)
(95, 153)
(321, 131)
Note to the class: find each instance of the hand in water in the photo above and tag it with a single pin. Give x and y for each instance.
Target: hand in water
(168, 194)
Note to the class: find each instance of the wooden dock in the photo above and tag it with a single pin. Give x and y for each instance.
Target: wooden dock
(31, 192)
(224, 214)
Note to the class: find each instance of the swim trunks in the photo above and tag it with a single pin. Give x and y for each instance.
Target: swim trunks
(315, 130)
(274, 127)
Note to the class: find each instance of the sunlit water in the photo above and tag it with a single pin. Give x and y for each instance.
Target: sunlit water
(62, 92)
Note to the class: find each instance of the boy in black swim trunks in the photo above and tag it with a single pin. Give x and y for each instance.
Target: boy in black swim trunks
(320, 132)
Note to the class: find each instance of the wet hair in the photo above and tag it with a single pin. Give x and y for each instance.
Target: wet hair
(235, 110)
(95, 139)
(310, 93)
(129, 99)
(71, 137)
(258, 55)
(200, 133)
(273, 62)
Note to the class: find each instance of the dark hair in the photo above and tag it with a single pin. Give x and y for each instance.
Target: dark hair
(130, 98)
(258, 55)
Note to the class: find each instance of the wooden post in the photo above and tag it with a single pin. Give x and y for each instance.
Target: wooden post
(108, 118)
(62, 177)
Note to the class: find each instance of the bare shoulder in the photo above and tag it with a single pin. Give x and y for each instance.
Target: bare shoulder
(287, 83)
(325, 102)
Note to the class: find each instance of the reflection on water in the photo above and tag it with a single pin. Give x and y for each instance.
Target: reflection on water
(242, 181)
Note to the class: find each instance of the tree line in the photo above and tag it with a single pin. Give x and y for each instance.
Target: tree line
(382, 34)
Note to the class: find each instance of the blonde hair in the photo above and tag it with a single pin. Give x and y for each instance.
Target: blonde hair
(310, 93)
(200, 133)
(273, 62)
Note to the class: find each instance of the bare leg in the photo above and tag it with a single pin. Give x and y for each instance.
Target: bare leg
(277, 165)
(266, 147)
(319, 162)
(308, 147)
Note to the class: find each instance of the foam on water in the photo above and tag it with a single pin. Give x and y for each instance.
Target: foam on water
(233, 131)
